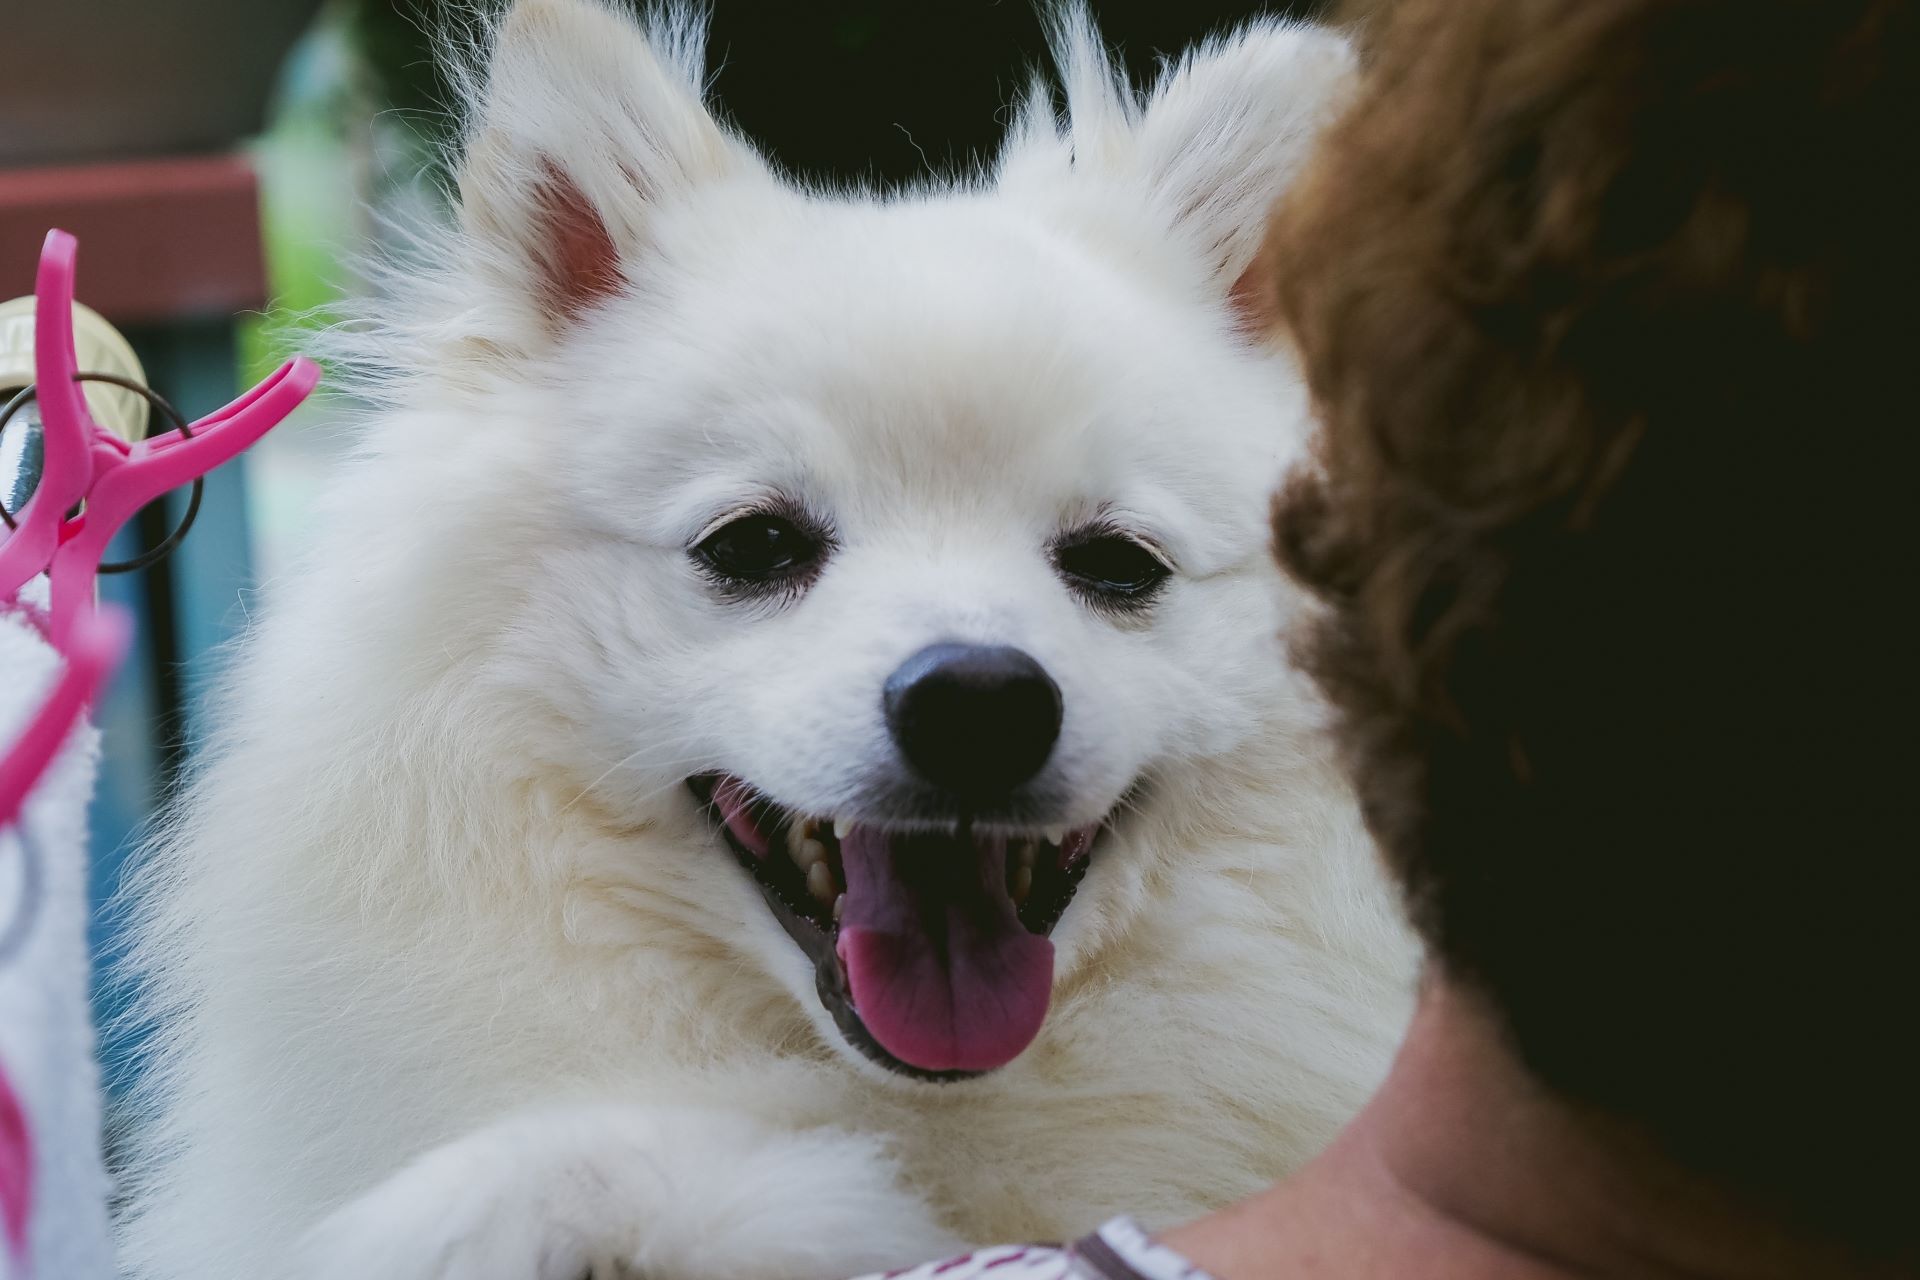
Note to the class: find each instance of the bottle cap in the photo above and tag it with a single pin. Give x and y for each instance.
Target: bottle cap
(100, 349)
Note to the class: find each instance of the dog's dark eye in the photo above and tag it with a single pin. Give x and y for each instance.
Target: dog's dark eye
(758, 548)
(1111, 567)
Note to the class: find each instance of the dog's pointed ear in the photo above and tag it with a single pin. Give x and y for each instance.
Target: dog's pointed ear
(582, 127)
(1226, 130)
(1214, 143)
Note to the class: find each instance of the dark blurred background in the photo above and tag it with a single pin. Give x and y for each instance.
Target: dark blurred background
(226, 163)
(856, 89)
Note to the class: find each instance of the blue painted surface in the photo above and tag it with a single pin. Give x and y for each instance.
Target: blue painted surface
(194, 366)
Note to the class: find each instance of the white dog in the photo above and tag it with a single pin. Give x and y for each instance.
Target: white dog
(785, 760)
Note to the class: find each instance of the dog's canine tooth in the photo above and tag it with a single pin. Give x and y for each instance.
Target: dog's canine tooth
(1054, 835)
(819, 879)
(797, 834)
(839, 905)
(842, 827)
(1022, 884)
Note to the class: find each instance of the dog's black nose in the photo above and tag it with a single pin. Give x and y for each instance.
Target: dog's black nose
(974, 720)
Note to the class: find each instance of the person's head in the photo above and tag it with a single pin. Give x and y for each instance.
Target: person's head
(1606, 307)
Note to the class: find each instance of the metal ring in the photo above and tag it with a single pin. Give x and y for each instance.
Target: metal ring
(173, 415)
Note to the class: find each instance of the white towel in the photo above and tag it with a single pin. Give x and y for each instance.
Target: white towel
(46, 1027)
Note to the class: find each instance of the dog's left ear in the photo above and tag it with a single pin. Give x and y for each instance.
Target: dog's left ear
(584, 127)
(1214, 143)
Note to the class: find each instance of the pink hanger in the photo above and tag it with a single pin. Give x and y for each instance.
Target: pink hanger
(115, 479)
(84, 464)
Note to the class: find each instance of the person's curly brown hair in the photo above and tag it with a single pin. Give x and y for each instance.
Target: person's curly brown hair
(1608, 309)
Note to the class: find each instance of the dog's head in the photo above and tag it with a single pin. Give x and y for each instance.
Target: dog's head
(912, 543)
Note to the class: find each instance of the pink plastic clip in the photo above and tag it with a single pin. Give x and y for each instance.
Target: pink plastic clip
(115, 479)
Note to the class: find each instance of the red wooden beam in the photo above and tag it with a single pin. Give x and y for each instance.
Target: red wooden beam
(165, 239)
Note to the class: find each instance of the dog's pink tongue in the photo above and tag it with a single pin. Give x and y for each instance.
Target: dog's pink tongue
(941, 971)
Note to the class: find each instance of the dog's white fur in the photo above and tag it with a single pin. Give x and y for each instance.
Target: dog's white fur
(456, 979)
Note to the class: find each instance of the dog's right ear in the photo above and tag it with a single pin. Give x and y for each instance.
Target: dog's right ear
(1212, 145)
(582, 127)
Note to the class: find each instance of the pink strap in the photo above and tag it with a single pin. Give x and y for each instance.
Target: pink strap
(94, 648)
(16, 1171)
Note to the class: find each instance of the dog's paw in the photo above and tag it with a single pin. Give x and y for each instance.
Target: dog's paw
(613, 1193)
(472, 1210)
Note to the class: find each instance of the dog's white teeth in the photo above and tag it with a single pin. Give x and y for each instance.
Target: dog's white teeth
(842, 828)
(1054, 835)
(1029, 853)
(1022, 884)
(839, 905)
(819, 878)
(809, 854)
(797, 833)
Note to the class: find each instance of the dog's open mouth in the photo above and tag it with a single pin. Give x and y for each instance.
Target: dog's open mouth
(929, 948)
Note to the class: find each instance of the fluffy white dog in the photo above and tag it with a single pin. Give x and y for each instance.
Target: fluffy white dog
(785, 760)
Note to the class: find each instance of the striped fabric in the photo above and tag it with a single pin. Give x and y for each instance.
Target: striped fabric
(1120, 1250)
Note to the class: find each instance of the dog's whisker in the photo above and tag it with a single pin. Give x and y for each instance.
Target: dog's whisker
(628, 761)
